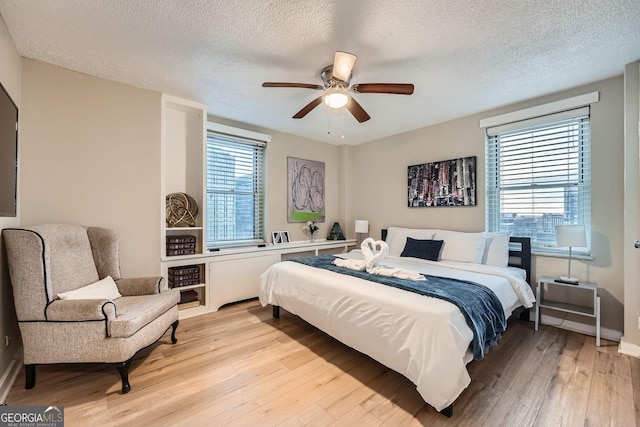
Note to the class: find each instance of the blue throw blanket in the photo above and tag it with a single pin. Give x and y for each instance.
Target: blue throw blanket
(479, 305)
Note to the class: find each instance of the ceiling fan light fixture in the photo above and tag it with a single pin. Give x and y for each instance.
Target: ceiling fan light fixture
(336, 98)
(342, 65)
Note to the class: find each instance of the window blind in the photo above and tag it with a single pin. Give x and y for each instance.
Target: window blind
(538, 174)
(235, 190)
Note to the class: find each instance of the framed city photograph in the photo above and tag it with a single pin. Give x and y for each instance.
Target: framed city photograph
(444, 183)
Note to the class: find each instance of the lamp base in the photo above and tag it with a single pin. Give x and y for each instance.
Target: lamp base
(568, 280)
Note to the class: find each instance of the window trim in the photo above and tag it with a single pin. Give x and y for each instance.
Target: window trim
(541, 110)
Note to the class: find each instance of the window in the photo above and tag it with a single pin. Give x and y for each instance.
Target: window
(235, 187)
(538, 175)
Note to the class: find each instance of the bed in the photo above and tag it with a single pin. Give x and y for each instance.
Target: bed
(424, 338)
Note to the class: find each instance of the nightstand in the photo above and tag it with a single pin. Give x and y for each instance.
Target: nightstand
(590, 311)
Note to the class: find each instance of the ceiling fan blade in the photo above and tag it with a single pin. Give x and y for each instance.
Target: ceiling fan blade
(395, 88)
(307, 108)
(342, 65)
(357, 110)
(300, 85)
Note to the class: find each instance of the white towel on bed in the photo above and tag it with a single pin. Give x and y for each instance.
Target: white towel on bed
(372, 256)
(373, 251)
(396, 272)
(352, 264)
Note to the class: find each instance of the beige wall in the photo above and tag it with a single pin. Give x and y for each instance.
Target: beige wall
(283, 145)
(10, 77)
(378, 182)
(631, 208)
(91, 156)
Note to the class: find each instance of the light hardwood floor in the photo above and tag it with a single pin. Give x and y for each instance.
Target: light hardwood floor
(241, 367)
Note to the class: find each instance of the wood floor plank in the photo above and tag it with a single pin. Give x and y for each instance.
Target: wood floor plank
(239, 366)
(611, 401)
(358, 416)
(635, 382)
(570, 386)
(313, 415)
(544, 356)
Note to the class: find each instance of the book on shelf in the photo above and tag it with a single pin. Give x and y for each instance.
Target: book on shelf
(188, 296)
(181, 238)
(184, 278)
(181, 246)
(173, 284)
(183, 270)
(174, 252)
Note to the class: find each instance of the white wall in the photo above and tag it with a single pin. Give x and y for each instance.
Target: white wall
(11, 80)
(378, 187)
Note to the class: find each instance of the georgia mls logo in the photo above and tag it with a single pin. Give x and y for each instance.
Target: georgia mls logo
(31, 416)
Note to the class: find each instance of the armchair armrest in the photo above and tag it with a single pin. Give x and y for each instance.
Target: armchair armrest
(141, 286)
(79, 310)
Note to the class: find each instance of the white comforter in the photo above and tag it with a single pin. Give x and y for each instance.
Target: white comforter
(426, 339)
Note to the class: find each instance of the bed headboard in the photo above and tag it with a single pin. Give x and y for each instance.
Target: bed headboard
(519, 253)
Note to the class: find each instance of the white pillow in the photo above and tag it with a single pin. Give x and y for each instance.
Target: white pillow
(461, 247)
(397, 237)
(496, 249)
(102, 289)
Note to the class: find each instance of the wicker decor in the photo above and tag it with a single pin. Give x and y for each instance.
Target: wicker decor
(182, 210)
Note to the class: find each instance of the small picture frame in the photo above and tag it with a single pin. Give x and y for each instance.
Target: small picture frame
(280, 237)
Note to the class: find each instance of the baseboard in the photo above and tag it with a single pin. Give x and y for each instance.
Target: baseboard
(628, 348)
(582, 328)
(9, 375)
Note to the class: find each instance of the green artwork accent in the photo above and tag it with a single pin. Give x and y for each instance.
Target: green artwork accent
(304, 216)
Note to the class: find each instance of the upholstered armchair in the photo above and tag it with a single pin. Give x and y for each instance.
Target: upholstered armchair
(69, 310)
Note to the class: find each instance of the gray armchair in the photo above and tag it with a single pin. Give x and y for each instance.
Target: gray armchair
(47, 260)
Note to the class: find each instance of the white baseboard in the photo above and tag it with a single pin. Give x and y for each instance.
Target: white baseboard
(9, 375)
(582, 328)
(628, 348)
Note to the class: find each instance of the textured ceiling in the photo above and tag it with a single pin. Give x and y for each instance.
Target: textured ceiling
(463, 56)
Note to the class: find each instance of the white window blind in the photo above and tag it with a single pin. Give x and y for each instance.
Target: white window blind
(538, 175)
(235, 190)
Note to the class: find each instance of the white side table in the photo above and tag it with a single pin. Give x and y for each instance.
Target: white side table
(592, 311)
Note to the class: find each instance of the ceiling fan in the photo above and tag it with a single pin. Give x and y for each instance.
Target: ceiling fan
(336, 78)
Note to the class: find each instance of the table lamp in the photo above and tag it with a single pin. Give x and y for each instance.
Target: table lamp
(362, 227)
(570, 236)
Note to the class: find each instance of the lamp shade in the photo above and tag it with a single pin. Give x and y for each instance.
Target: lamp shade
(571, 235)
(362, 226)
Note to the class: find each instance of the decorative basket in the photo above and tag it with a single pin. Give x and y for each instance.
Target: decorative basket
(181, 210)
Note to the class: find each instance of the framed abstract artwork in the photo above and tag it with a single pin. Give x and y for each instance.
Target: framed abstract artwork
(305, 194)
(280, 237)
(443, 183)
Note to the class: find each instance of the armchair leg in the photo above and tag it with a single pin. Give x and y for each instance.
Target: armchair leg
(30, 374)
(123, 368)
(174, 325)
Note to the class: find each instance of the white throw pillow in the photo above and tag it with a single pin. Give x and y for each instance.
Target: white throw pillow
(496, 249)
(397, 237)
(461, 247)
(102, 289)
